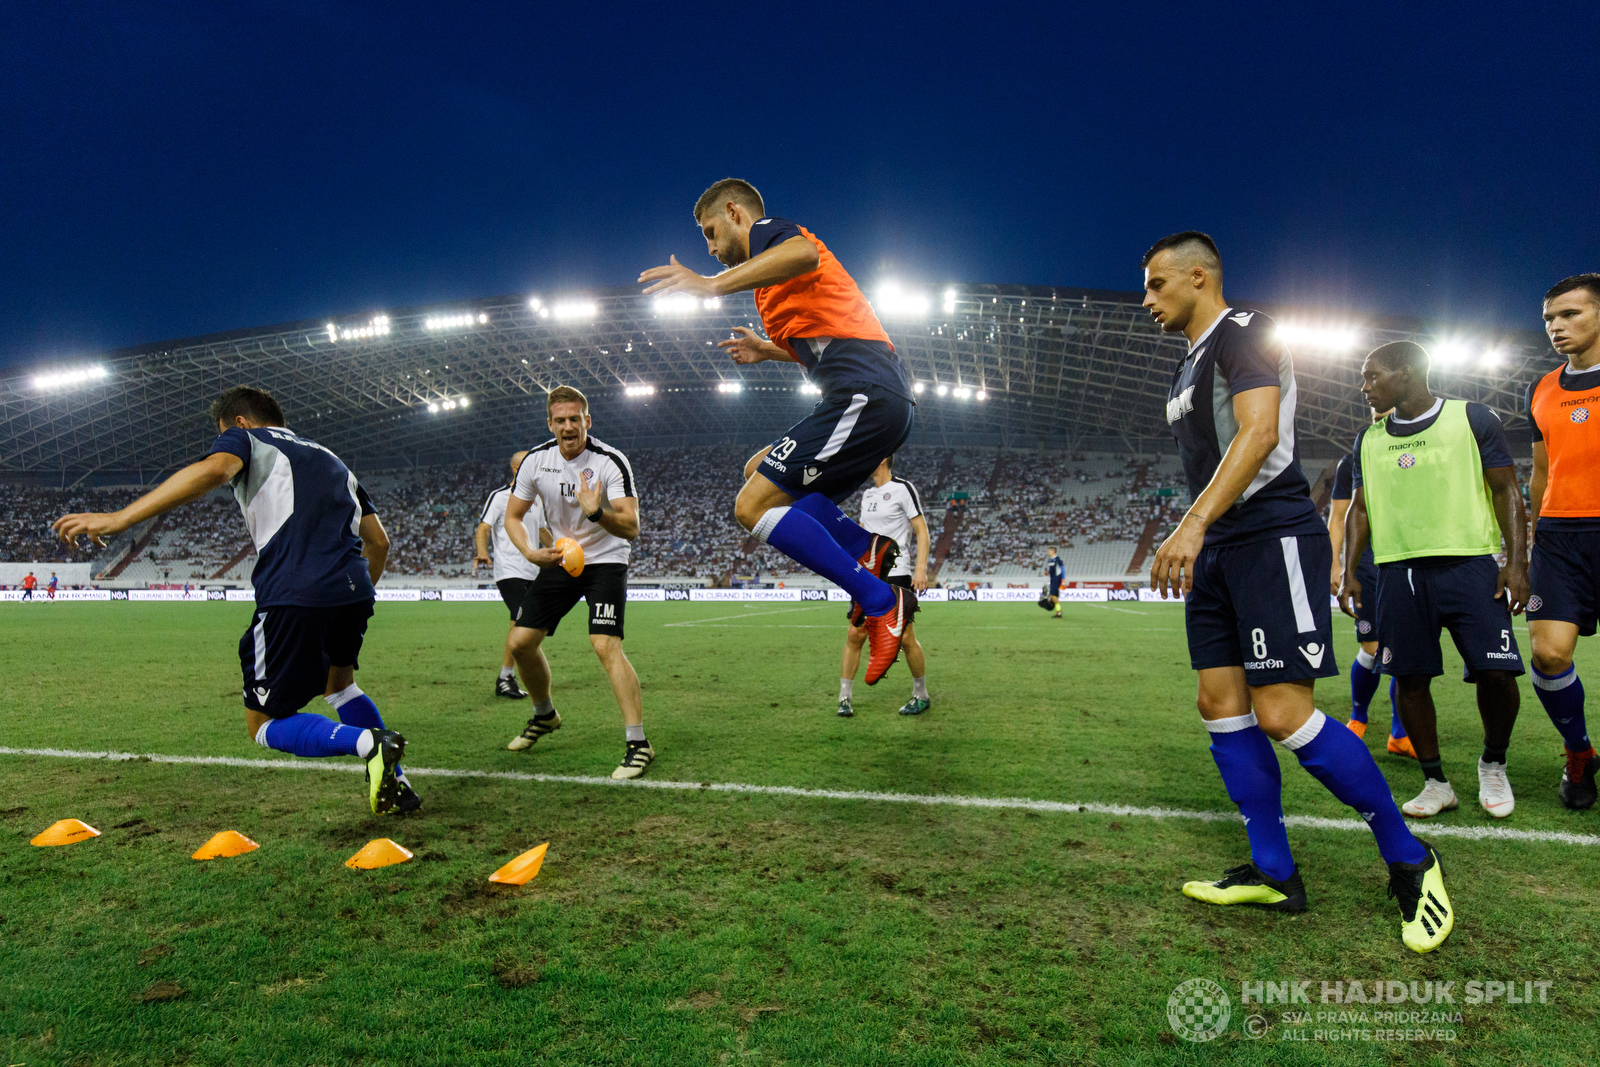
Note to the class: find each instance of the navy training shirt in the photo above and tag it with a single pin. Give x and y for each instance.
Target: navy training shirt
(1344, 489)
(1056, 569)
(1239, 353)
(835, 362)
(303, 508)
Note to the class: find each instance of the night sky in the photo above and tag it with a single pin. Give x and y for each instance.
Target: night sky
(169, 169)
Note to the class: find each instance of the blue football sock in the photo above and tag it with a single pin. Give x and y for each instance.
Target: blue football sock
(1250, 772)
(1339, 760)
(310, 735)
(803, 539)
(843, 529)
(1364, 678)
(1562, 697)
(355, 708)
(1397, 729)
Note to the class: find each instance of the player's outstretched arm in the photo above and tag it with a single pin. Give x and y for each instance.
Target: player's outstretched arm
(778, 264)
(1513, 520)
(1357, 535)
(1256, 411)
(516, 511)
(746, 346)
(191, 483)
(374, 545)
(919, 576)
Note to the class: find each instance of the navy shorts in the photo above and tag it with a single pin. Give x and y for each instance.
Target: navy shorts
(1414, 603)
(1055, 588)
(837, 447)
(286, 653)
(1564, 578)
(555, 592)
(1367, 613)
(513, 591)
(1263, 606)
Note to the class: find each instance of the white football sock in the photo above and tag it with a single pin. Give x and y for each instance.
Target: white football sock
(365, 744)
(845, 685)
(919, 687)
(507, 672)
(635, 732)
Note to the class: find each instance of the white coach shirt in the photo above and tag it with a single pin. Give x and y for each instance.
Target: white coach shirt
(888, 509)
(553, 481)
(508, 562)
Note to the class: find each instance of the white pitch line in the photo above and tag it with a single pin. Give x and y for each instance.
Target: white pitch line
(745, 615)
(1309, 822)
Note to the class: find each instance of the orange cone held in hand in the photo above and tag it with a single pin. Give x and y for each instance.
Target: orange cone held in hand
(66, 832)
(379, 853)
(227, 843)
(571, 555)
(521, 870)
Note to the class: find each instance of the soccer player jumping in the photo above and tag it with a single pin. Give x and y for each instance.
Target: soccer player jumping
(319, 549)
(1564, 497)
(817, 317)
(1250, 558)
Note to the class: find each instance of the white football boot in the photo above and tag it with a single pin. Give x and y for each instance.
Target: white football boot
(1435, 797)
(1494, 789)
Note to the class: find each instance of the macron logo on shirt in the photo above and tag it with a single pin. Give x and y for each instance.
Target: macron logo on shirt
(1243, 318)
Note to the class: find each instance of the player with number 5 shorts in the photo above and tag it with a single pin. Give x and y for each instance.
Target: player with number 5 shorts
(1251, 557)
(815, 316)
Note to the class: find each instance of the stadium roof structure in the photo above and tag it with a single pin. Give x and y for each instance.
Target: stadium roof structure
(996, 364)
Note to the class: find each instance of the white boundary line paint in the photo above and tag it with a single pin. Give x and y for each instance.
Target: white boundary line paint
(745, 615)
(1309, 822)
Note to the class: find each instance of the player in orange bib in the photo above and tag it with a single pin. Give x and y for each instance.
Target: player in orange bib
(816, 316)
(1564, 504)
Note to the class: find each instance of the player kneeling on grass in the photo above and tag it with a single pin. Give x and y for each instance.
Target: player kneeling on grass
(1435, 490)
(319, 550)
(1251, 556)
(591, 508)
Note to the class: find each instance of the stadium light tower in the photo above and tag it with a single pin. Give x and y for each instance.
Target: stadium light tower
(893, 302)
(1334, 338)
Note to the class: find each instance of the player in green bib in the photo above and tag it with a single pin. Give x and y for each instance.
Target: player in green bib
(1435, 493)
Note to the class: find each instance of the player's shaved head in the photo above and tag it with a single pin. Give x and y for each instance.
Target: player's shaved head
(517, 458)
(738, 191)
(1189, 249)
(1402, 355)
(257, 405)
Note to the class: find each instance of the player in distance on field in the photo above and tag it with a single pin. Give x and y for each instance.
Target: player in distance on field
(29, 584)
(512, 573)
(1364, 673)
(1055, 572)
(1564, 493)
(54, 583)
(1251, 556)
(892, 507)
(320, 549)
(586, 492)
(1435, 491)
(816, 317)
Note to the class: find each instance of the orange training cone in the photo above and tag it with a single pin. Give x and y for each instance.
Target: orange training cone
(379, 853)
(571, 555)
(227, 843)
(66, 832)
(523, 869)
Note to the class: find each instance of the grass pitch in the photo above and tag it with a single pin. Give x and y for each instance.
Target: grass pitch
(701, 926)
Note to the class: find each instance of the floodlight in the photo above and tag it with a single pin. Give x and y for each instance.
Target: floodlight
(534, 303)
(377, 327)
(1329, 337)
(1447, 352)
(451, 322)
(961, 393)
(917, 387)
(640, 390)
(730, 387)
(433, 409)
(713, 302)
(949, 301)
(894, 302)
(943, 390)
(576, 309)
(810, 390)
(983, 394)
(464, 402)
(675, 304)
(62, 379)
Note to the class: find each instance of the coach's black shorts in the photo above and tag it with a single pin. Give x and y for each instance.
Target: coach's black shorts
(837, 447)
(1263, 606)
(554, 592)
(904, 582)
(1415, 602)
(1564, 578)
(514, 591)
(1367, 613)
(286, 653)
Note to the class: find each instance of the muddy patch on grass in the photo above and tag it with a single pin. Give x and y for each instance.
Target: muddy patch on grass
(516, 975)
(698, 1001)
(153, 953)
(159, 992)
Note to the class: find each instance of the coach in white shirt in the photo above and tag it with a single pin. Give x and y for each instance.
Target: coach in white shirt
(587, 491)
(892, 507)
(512, 574)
